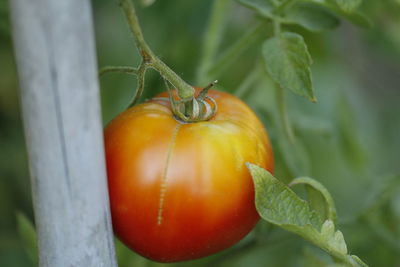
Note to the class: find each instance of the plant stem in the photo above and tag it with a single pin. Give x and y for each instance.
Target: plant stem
(130, 14)
(140, 84)
(121, 69)
(185, 91)
(212, 39)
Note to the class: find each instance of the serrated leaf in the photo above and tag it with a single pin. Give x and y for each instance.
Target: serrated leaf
(317, 186)
(263, 7)
(288, 63)
(338, 242)
(28, 236)
(356, 17)
(348, 6)
(311, 17)
(279, 205)
(328, 228)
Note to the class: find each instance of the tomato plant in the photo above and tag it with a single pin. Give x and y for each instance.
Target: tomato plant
(178, 184)
(181, 191)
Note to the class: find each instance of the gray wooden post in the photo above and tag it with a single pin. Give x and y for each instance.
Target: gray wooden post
(55, 51)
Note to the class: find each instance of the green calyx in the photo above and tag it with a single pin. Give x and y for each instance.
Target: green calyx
(195, 109)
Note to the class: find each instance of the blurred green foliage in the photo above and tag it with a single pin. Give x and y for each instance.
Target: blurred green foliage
(349, 140)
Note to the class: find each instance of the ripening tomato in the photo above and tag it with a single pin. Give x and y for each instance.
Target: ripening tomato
(181, 191)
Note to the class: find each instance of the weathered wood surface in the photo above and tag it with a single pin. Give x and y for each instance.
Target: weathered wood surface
(55, 51)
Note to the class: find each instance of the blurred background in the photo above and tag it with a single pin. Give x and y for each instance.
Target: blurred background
(349, 140)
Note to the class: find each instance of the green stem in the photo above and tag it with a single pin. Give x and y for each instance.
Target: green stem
(337, 256)
(130, 14)
(121, 69)
(281, 102)
(185, 91)
(140, 81)
(212, 39)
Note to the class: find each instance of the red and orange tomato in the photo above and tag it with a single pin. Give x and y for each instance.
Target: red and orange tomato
(180, 191)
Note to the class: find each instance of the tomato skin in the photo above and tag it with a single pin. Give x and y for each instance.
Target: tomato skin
(181, 191)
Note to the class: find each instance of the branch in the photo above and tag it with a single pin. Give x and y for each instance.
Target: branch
(121, 69)
(185, 91)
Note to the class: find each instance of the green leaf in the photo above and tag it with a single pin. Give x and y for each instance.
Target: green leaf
(262, 7)
(356, 17)
(28, 237)
(311, 17)
(348, 6)
(314, 185)
(288, 63)
(278, 204)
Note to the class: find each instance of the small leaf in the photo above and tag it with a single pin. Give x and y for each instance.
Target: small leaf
(358, 18)
(263, 7)
(348, 6)
(311, 17)
(27, 234)
(288, 63)
(279, 205)
(317, 186)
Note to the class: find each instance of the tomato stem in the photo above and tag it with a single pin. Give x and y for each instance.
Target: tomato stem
(121, 69)
(140, 83)
(185, 91)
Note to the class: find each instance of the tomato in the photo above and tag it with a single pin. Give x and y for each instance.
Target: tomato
(181, 191)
